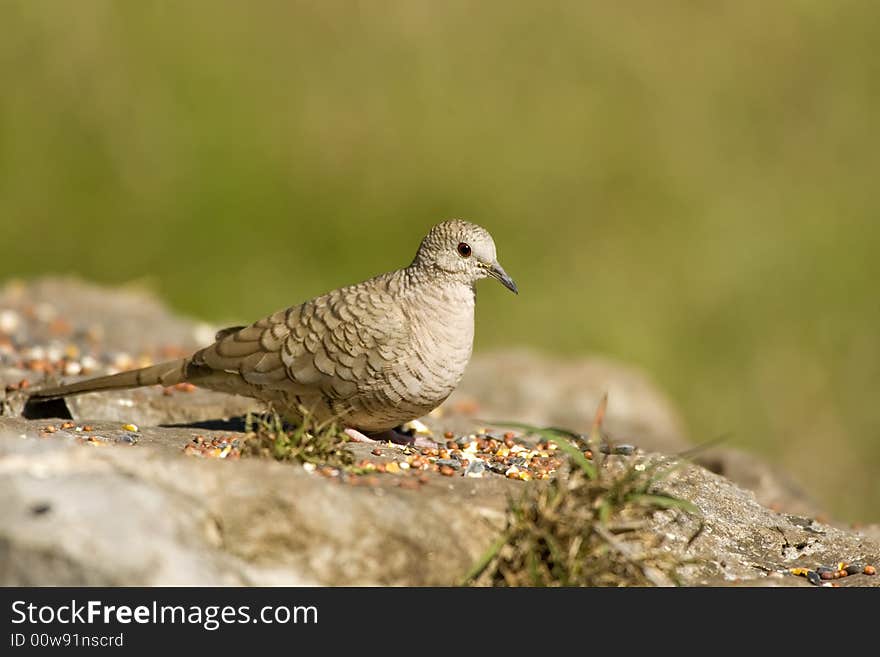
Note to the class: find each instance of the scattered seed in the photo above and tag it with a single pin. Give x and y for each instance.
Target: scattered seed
(870, 570)
(447, 471)
(72, 368)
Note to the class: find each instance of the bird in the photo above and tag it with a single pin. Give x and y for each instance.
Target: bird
(371, 356)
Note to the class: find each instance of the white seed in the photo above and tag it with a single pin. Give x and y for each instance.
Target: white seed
(9, 321)
(54, 353)
(72, 368)
(88, 364)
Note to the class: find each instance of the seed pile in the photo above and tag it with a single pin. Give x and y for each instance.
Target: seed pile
(84, 433)
(474, 455)
(219, 447)
(824, 575)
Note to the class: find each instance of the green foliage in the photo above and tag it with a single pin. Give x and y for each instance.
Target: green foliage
(688, 187)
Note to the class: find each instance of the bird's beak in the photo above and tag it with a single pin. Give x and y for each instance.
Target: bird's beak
(497, 271)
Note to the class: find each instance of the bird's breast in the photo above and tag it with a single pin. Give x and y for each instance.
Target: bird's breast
(443, 330)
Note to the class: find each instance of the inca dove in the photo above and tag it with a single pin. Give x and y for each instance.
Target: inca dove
(373, 355)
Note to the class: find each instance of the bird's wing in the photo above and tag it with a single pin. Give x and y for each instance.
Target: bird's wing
(335, 344)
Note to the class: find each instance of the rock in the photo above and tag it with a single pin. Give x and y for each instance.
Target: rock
(147, 515)
(138, 515)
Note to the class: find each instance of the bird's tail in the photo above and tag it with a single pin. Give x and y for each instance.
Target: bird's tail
(166, 374)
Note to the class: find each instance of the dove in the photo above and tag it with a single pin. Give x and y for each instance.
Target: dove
(371, 356)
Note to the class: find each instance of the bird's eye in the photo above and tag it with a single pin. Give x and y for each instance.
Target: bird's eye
(464, 249)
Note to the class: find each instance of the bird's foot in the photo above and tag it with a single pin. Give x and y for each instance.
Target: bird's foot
(389, 436)
(358, 437)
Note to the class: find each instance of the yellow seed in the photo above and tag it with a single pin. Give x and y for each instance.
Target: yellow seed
(392, 467)
(129, 427)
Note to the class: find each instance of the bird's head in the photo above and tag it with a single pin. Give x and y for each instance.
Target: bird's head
(463, 251)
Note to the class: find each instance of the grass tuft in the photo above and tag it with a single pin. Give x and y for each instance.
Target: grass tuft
(587, 527)
(320, 443)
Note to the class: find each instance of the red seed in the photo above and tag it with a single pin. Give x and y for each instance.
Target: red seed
(376, 452)
(870, 570)
(448, 435)
(446, 471)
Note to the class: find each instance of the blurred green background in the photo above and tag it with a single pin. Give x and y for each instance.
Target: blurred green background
(687, 186)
